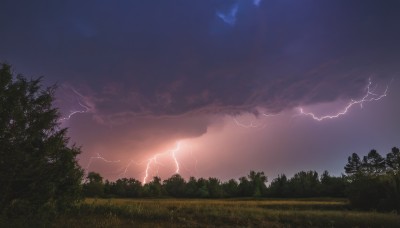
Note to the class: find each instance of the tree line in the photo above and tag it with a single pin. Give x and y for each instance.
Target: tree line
(371, 182)
(302, 184)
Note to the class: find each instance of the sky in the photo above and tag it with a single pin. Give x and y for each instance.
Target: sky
(214, 87)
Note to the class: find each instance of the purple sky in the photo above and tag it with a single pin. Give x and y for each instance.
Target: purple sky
(213, 87)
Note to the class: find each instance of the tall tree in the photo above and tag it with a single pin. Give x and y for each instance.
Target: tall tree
(332, 186)
(258, 180)
(373, 163)
(191, 187)
(393, 160)
(305, 184)
(154, 188)
(175, 186)
(94, 186)
(214, 187)
(36, 164)
(230, 188)
(279, 186)
(202, 190)
(353, 165)
(245, 187)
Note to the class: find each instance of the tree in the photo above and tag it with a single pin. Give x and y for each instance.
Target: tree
(393, 160)
(353, 165)
(175, 186)
(373, 163)
(154, 188)
(257, 181)
(94, 186)
(37, 166)
(214, 187)
(332, 186)
(230, 188)
(279, 186)
(202, 190)
(245, 187)
(377, 183)
(305, 184)
(133, 188)
(191, 187)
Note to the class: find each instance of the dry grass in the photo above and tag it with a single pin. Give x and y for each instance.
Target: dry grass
(222, 213)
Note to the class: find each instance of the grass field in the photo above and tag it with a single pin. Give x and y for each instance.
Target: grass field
(222, 213)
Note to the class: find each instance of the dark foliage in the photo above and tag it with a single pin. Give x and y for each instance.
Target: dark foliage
(37, 167)
(303, 184)
(376, 183)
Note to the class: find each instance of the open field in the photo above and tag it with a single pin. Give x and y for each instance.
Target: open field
(222, 213)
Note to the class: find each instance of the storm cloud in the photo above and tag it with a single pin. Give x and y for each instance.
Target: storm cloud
(150, 72)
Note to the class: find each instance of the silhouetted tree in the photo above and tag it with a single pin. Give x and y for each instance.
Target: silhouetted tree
(257, 182)
(175, 186)
(377, 184)
(214, 187)
(202, 190)
(37, 166)
(230, 188)
(365, 192)
(393, 160)
(154, 188)
(245, 188)
(125, 188)
(279, 187)
(373, 163)
(133, 188)
(353, 165)
(94, 186)
(191, 187)
(304, 184)
(332, 186)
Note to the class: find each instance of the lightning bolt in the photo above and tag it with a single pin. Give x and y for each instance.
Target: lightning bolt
(150, 162)
(100, 158)
(368, 97)
(80, 98)
(153, 160)
(87, 109)
(252, 124)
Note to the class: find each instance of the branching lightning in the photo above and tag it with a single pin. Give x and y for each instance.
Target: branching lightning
(72, 113)
(250, 125)
(369, 96)
(100, 158)
(150, 163)
(80, 99)
(153, 160)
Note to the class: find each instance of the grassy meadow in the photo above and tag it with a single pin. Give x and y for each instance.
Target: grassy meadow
(222, 213)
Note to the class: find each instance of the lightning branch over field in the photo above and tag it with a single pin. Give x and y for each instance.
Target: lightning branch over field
(153, 160)
(368, 97)
(80, 99)
(100, 158)
(149, 162)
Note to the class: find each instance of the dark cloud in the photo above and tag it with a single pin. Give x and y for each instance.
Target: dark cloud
(152, 72)
(171, 58)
